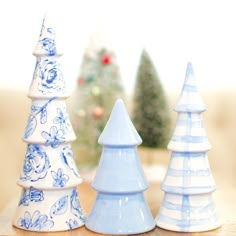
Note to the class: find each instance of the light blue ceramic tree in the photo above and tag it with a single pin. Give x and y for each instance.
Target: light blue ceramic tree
(188, 185)
(120, 207)
(49, 177)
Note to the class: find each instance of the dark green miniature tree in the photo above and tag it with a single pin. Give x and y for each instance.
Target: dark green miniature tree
(151, 114)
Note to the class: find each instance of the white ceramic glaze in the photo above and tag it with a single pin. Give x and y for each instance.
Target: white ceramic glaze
(49, 176)
(188, 184)
(188, 213)
(48, 168)
(49, 210)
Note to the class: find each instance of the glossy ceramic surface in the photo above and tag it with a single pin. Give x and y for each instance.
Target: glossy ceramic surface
(188, 185)
(47, 210)
(120, 214)
(188, 213)
(122, 167)
(49, 200)
(120, 207)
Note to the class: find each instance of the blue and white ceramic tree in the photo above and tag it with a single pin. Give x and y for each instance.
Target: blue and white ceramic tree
(49, 177)
(120, 206)
(188, 185)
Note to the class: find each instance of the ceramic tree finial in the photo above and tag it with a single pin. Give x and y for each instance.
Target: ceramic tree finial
(120, 207)
(48, 80)
(190, 100)
(119, 129)
(49, 177)
(46, 45)
(189, 134)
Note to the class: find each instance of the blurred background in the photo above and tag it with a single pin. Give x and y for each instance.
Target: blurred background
(106, 39)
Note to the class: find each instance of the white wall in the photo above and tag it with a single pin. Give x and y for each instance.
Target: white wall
(173, 32)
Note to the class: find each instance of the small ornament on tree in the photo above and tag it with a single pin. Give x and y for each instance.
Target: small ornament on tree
(120, 206)
(49, 177)
(98, 112)
(96, 91)
(80, 80)
(188, 205)
(106, 59)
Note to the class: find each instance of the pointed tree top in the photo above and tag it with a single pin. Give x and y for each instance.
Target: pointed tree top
(119, 130)
(46, 45)
(190, 100)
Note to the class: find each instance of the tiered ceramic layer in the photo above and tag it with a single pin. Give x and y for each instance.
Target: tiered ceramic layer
(188, 173)
(188, 213)
(188, 205)
(49, 176)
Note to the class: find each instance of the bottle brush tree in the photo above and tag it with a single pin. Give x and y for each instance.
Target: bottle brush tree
(151, 114)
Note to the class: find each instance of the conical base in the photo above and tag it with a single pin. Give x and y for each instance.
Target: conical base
(120, 214)
(188, 213)
(49, 210)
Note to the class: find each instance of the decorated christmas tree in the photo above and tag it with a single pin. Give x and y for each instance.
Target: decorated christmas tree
(99, 85)
(151, 114)
(188, 185)
(120, 206)
(49, 177)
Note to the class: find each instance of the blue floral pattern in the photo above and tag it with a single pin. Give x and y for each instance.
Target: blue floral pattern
(72, 224)
(59, 207)
(48, 44)
(76, 208)
(36, 222)
(36, 164)
(63, 120)
(68, 160)
(54, 138)
(51, 77)
(33, 195)
(60, 178)
(41, 208)
(35, 69)
(32, 121)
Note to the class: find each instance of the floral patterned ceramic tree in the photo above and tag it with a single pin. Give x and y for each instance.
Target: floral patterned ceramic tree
(188, 205)
(49, 200)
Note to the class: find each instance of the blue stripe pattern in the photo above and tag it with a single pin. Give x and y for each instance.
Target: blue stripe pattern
(190, 88)
(188, 155)
(188, 190)
(189, 139)
(180, 207)
(185, 225)
(189, 122)
(188, 173)
(190, 108)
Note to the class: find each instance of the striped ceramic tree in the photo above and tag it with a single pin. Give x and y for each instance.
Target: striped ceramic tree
(188, 185)
(49, 177)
